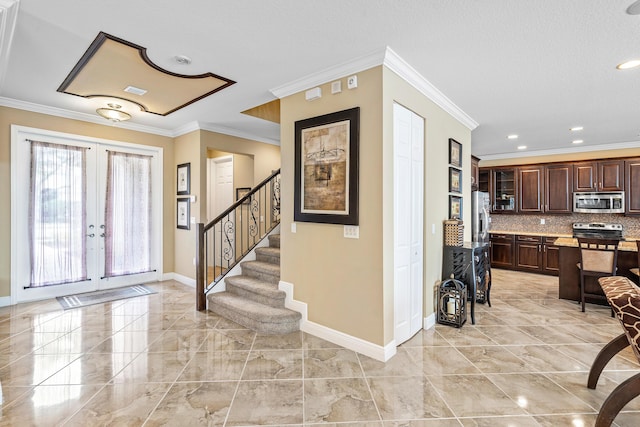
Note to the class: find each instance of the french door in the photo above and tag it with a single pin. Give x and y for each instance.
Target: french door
(85, 214)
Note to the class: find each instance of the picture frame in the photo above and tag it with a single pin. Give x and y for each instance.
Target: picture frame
(455, 153)
(183, 213)
(455, 180)
(183, 179)
(326, 168)
(241, 192)
(455, 207)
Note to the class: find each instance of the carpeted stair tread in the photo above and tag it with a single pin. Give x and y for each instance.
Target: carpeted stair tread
(255, 285)
(253, 315)
(269, 251)
(261, 267)
(274, 240)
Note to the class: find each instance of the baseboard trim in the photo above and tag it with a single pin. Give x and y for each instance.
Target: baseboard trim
(356, 344)
(429, 321)
(183, 279)
(5, 301)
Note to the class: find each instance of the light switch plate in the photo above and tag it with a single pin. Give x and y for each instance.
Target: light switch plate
(336, 87)
(294, 228)
(351, 231)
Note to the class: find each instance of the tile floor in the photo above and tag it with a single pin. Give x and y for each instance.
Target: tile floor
(153, 360)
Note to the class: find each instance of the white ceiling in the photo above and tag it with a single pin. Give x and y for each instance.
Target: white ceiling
(534, 68)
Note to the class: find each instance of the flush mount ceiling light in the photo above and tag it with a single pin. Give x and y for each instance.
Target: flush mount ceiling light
(113, 113)
(576, 128)
(522, 147)
(628, 64)
(182, 59)
(93, 76)
(513, 136)
(577, 141)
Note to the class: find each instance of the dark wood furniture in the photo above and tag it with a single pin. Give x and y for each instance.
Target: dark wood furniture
(632, 186)
(474, 173)
(636, 271)
(604, 175)
(624, 299)
(537, 254)
(558, 188)
(598, 258)
(529, 253)
(502, 250)
(503, 190)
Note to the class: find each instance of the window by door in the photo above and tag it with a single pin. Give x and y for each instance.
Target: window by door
(85, 214)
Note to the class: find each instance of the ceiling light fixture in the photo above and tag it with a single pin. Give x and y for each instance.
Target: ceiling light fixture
(628, 64)
(577, 141)
(113, 113)
(182, 59)
(634, 8)
(513, 136)
(522, 147)
(576, 128)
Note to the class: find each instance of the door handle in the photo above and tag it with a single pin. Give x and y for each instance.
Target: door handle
(91, 235)
(102, 235)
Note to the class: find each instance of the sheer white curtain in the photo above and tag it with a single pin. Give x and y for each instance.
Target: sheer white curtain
(57, 214)
(128, 214)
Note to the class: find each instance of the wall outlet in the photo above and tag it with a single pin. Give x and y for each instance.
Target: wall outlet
(351, 231)
(193, 220)
(294, 228)
(542, 221)
(433, 229)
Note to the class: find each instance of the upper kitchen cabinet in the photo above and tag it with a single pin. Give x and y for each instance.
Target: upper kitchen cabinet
(606, 175)
(474, 172)
(484, 180)
(632, 186)
(530, 189)
(504, 185)
(558, 194)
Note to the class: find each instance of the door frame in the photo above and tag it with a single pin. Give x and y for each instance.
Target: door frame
(21, 251)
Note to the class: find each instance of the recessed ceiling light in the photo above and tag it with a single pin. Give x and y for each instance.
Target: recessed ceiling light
(512, 136)
(182, 59)
(576, 128)
(577, 141)
(628, 64)
(522, 147)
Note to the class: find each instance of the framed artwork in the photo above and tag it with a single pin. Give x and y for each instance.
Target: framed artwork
(183, 183)
(183, 213)
(326, 168)
(455, 153)
(455, 207)
(241, 192)
(455, 180)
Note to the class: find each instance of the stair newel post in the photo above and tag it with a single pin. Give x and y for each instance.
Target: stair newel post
(201, 302)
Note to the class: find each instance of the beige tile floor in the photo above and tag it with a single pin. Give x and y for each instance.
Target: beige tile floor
(153, 360)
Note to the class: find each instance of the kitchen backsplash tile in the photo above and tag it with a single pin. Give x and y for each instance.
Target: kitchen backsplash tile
(562, 223)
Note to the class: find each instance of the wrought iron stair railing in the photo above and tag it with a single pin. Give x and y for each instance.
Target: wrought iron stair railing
(222, 243)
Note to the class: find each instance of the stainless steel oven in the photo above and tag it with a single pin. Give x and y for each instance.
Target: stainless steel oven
(601, 202)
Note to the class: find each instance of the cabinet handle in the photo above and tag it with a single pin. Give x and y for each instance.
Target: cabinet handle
(545, 248)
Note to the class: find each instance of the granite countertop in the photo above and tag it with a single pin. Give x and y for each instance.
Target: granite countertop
(625, 245)
(531, 233)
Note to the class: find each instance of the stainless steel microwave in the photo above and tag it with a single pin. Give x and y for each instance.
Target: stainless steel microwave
(600, 202)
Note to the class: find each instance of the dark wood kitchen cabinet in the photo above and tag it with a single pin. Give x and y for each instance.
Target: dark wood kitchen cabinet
(550, 256)
(605, 175)
(484, 180)
(474, 173)
(530, 189)
(502, 251)
(558, 195)
(632, 186)
(504, 186)
(529, 253)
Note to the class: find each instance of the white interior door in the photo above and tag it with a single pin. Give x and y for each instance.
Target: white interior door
(221, 197)
(408, 145)
(62, 226)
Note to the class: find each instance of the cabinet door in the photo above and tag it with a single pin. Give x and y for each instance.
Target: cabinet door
(528, 253)
(502, 252)
(474, 173)
(611, 175)
(585, 176)
(504, 190)
(632, 186)
(551, 259)
(558, 188)
(530, 189)
(484, 178)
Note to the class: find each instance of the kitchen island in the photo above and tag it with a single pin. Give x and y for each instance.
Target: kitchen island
(569, 275)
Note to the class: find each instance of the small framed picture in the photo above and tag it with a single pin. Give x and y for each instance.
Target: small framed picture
(183, 183)
(455, 207)
(455, 153)
(241, 192)
(183, 213)
(455, 180)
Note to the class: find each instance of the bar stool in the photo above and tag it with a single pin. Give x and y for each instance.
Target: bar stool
(598, 258)
(636, 270)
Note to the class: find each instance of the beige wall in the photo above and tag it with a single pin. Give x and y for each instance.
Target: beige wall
(9, 116)
(439, 127)
(347, 283)
(566, 157)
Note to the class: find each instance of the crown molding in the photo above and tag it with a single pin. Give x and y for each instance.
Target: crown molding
(185, 129)
(391, 60)
(568, 150)
(234, 132)
(409, 74)
(8, 18)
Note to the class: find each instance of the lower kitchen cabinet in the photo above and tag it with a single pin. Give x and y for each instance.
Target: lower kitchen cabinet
(502, 251)
(536, 254)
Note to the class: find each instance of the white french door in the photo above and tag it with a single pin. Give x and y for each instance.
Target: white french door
(85, 214)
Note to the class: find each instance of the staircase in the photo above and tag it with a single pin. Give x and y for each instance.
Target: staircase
(253, 299)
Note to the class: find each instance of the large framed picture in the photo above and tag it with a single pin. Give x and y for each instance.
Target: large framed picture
(455, 180)
(455, 207)
(326, 168)
(183, 184)
(183, 213)
(455, 153)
